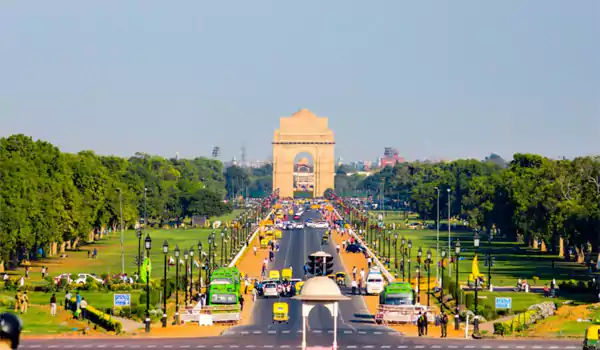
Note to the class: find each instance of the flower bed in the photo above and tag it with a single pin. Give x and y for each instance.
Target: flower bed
(99, 318)
(533, 314)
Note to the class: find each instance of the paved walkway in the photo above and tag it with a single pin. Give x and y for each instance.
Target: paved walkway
(129, 326)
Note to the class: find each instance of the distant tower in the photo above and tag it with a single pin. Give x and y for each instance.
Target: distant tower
(243, 154)
(176, 155)
(216, 152)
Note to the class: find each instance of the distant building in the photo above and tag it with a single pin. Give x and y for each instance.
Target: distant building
(390, 158)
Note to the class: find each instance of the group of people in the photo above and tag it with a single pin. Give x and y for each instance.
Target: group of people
(21, 302)
(358, 282)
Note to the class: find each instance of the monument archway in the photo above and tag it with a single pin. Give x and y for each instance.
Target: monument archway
(303, 132)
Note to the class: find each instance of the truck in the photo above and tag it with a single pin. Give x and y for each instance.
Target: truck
(397, 304)
(223, 297)
(397, 293)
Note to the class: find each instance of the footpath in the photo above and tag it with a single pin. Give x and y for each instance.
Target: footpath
(358, 260)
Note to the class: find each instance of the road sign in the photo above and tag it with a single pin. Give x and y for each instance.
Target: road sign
(503, 303)
(122, 300)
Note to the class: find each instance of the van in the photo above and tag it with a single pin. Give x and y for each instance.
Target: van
(375, 282)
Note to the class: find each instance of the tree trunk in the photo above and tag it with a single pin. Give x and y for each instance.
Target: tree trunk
(75, 243)
(561, 247)
(1, 266)
(580, 255)
(63, 246)
(69, 246)
(535, 244)
(91, 236)
(543, 247)
(53, 248)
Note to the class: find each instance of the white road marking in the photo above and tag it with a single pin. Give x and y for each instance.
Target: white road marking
(503, 347)
(184, 346)
(257, 332)
(536, 347)
(385, 346)
(377, 332)
(250, 346)
(402, 346)
(268, 346)
(486, 347)
(233, 346)
(245, 332)
(272, 332)
(570, 347)
(368, 346)
(435, 346)
(419, 347)
(285, 332)
(452, 346)
(299, 331)
(362, 332)
(317, 331)
(151, 346)
(351, 346)
(553, 347)
(347, 332)
(284, 346)
(469, 347)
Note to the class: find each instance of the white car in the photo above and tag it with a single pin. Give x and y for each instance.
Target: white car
(321, 224)
(270, 290)
(375, 283)
(299, 225)
(82, 278)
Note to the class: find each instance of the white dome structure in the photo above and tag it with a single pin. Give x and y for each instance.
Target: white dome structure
(320, 289)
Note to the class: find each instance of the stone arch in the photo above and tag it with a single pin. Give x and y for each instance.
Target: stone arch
(303, 132)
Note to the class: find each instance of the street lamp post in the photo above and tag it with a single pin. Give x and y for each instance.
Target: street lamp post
(208, 268)
(443, 253)
(148, 245)
(177, 284)
(476, 318)
(222, 251)
(165, 247)
(403, 249)
(191, 273)
(200, 268)
(419, 255)
(449, 235)
(122, 230)
(185, 258)
(437, 241)
(138, 233)
(428, 262)
(409, 249)
(457, 252)
(396, 253)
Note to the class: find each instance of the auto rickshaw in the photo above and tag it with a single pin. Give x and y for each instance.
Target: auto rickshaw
(281, 312)
(278, 234)
(298, 286)
(286, 274)
(331, 277)
(590, 341)
(264, 243)
(340, 278)
(274, 275)
(325, 239)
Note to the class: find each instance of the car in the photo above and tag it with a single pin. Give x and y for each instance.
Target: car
(289, 226)
(299, 225)
(355, 248)
(321, 224)
(82, 278)
(270, 290)
(296, 217)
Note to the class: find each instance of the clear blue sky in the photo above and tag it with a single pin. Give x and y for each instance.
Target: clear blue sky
(431, 78)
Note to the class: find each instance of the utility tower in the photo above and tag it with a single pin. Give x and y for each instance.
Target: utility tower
(216, 152)
(243, 154)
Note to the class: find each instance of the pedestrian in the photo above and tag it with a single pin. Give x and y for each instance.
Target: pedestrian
(354, 286)
(369, 261)
(24, 303)
(420, 324)
(17, 301)
(425, 322)
(27, 272)
(254, 249)
(77, 300)
(241, 303)
(68, 297)
(337, 248)
(444, 323)
(254, 294)
(83, 305)
(43, 272)
(362, 273)
(53, 305)
(354, 273)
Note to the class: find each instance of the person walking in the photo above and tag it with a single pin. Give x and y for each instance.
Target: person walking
(353, 286)
(53, 305)
(354, 273)
(425, 323)
(444, 324)
(241, 303)
(24, 303)
(369, 262)
(83, 305)
(337, 248)
(43, 272)
(77, 301)
(420, 324)
(27, 272)
(17, 301)
(68, 297)
(254, 249)
(362, 274)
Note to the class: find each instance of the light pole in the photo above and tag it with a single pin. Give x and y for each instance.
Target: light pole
(449, 237)
(409, 249)
(177, 284)
(185, 258)
(476, 318)
(437, 241)
(443, 253)
(138, 233)
(222, 247)
(428, 262)
(403, 249)
(396, 252)
(165, 247)
(122, 229)
(210, 245)
(191, 273)
(419, 255)
(200, 268)
(148, 245)
(457, 252)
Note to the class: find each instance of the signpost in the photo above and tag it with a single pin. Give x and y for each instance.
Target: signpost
(503, 303)
(122, 300)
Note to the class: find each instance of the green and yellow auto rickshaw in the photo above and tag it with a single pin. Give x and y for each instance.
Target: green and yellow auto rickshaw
(590, 341)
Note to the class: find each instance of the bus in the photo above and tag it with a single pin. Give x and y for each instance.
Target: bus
(397, 293)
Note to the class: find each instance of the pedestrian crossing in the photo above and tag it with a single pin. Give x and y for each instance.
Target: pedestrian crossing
(469, 345)
(312, 331)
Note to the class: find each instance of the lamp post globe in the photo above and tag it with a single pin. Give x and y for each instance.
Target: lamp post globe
(148, 246)
(185, 258)
(177, 253)
(191, 272)
(457, 252)
(476, 318)
(200, 268)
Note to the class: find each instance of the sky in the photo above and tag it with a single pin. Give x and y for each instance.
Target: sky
(434, 79)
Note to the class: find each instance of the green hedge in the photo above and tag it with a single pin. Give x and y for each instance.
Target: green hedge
(515, 324)
(98, 317)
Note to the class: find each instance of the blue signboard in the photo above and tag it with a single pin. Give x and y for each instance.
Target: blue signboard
(503, 303)
(122, 300)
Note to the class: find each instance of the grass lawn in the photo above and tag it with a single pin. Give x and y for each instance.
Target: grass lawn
(109, 253)
(512, 260)
(38, 321)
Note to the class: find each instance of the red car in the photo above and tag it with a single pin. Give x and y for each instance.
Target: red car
(296, 217)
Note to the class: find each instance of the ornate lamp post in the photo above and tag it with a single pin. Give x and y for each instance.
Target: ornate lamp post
(191, 273)
(476, 318)
(418, 269)
(208, 267)
(396, 253)
(222, 247)
(403, 249)
(148, 245)
(185, 286)
(165, 248)
(177, 284)
(200, 268)
(428, 262)
(457, 252)
(409, 249)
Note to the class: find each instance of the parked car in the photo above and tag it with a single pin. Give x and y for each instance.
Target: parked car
(82, 278)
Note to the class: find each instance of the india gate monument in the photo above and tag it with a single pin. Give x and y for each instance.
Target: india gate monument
(305, 133)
